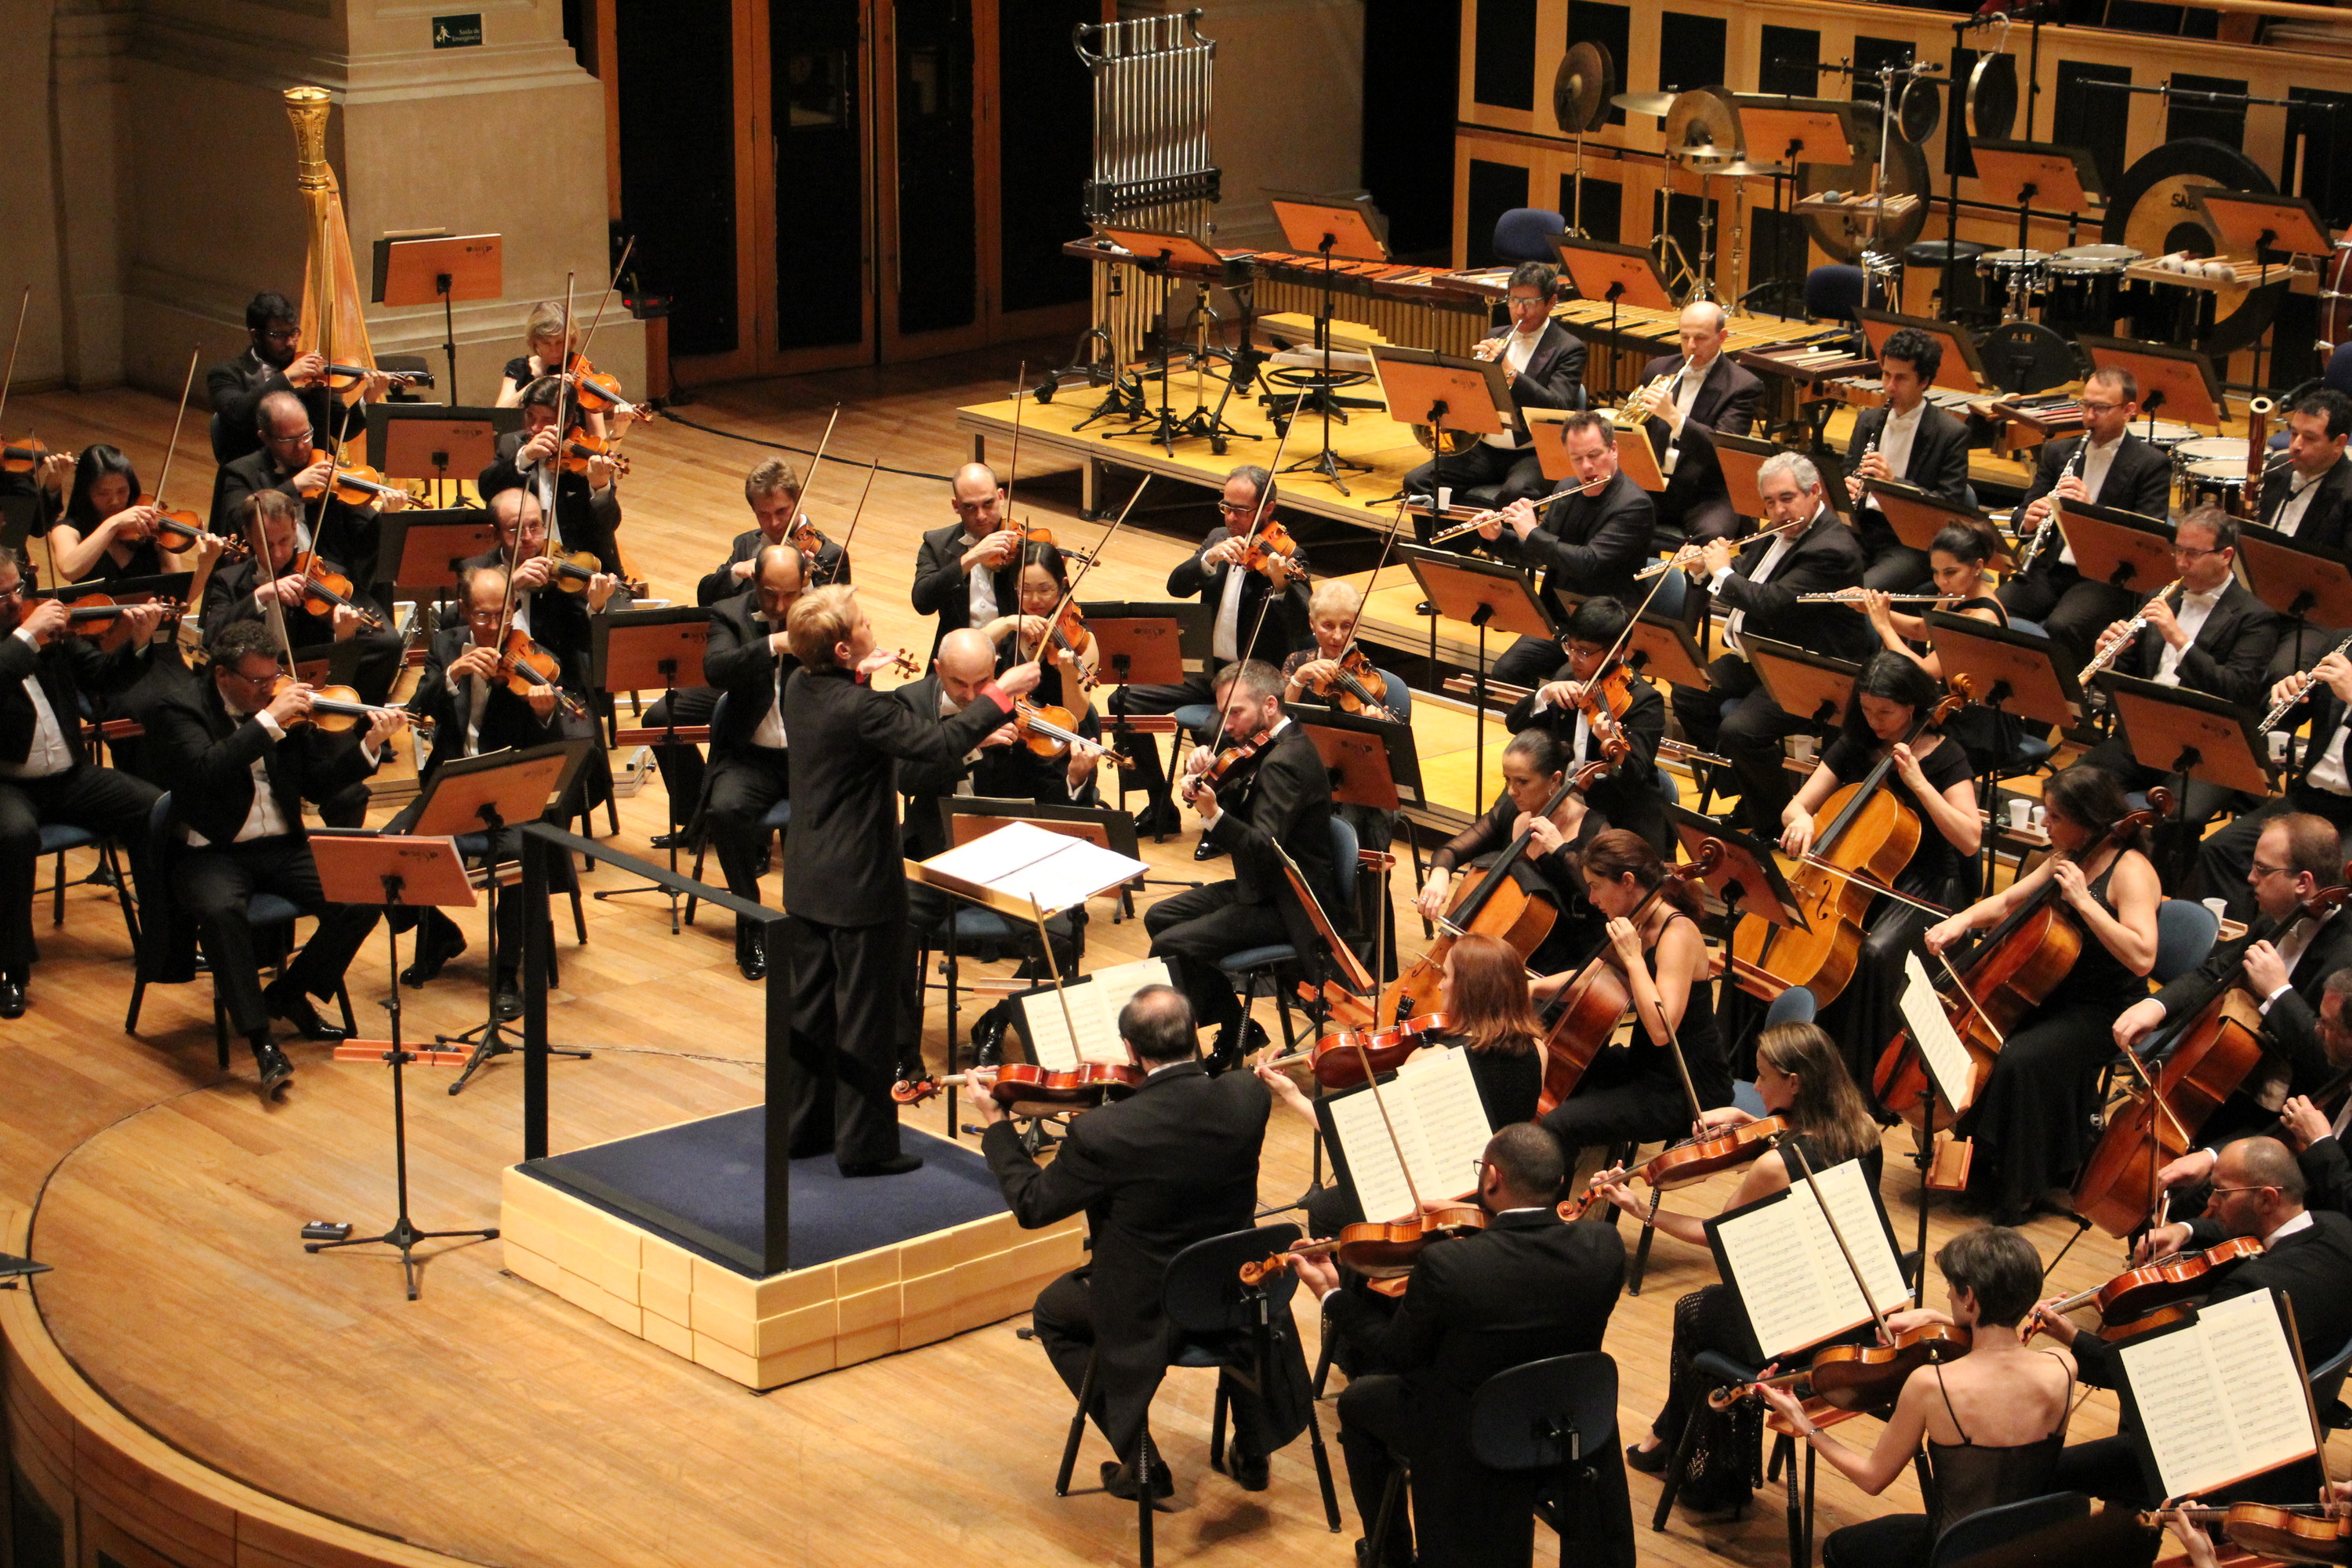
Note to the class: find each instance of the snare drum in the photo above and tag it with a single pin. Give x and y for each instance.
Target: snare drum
(2167, 434)
(2014, 271)
(2214, 481)
(2084, 283)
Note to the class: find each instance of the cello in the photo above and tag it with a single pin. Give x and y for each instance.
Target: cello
(2011, 971)
(1869, 841)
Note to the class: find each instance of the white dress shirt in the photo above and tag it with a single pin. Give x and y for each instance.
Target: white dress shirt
(982, 581)
(1894, 439)
(2300, 490)
(2328, 771)
(770, 731)
(2190, 615)
(1520, 349)
(1227, 642)
(1781, 544)
(265, 818)
(48, 754)
(2097, 460)
(2291, 949)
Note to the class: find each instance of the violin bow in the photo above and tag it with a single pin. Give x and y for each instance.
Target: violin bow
(1013, 463)
(1265, 499)
(1054, 968)
(1088, 563)
(24, 304)
(595, 320)
(817, 466)
(172, 449)
(1364, 599)
(1364, 1057)
(850, 532)
(1795, 1150)
(551, 472)
(258, 538)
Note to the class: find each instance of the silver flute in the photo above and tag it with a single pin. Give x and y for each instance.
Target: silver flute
(2302, 685)
(1538, 502)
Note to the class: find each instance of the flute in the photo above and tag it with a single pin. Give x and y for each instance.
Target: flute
(1539, 502)
(1690, 552)
(2132, 628)
(1862, 596)
(2303, 683)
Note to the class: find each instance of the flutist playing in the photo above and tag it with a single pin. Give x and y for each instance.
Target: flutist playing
(1543, 362)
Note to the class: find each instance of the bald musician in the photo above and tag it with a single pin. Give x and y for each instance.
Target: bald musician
(746, 661)
(1705, 392)
(587, 501)
(969, 572)
(287, 437)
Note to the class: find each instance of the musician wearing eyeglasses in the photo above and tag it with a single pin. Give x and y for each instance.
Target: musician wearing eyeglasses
(275, 361)
(1589, 544)
(1543, 364)
(1704, 393)
(2107, 465)
(555, 618)
(287, 461)
(1628, 795)
(242, 590)
(587, 499)
(1760, 583)
(1907, 438)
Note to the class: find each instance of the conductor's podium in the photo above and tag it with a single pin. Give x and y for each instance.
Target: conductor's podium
(877, 1265)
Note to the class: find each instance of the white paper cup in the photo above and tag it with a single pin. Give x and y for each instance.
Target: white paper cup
(2021, 812)
(1801, 748)
(2220, 907)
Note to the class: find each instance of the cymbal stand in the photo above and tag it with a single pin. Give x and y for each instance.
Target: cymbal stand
(1205, 421)
(1576, 201)
(1704, 287)
(1663, 244)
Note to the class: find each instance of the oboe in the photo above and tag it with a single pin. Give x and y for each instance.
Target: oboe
(2302, 685)
(2073, 470)
(2114, 650)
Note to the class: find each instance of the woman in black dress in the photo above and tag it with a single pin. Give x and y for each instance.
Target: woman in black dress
(546, 344)
(1044, 579)
(1801, 1078)
(1933, 779)
(1535, 766)
(1961, 557)
(2032, 1120)
(1992, 1419)
(1482, 997)
(1633, 1092)
(107, 533)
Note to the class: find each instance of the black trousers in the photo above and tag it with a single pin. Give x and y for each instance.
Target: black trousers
(744, 786)
(1623, 1097)
(1897, 567)
(1064, 1317)
(1195, 930)
(681, 765)
(444, 935)
(1149, 774)
(217, 883)
(1750, 736)
(2224, 858)
(847, 1003)
(1516, 472)
(1529, 662)
(2071, 607)
(101, 800)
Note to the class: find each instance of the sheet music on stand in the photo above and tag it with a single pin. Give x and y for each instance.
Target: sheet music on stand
(1792, 1279)
(1441, 1123)
(2219, 1398)
(1095, 1003)
(1949, 1068)
(1023, 870)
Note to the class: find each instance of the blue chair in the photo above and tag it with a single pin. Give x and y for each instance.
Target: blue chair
(1673, 595)
(778, 820)
(1255, 965)
(1835, 292)
(56, 837)
(2185, 933)
(1548, 1415)
(2327, 1389)
(1794, 1005)
(1668, 786)
(267, 913)
(1399, 696)
(1526, 234)
(2338, 373)
(1993, 1528)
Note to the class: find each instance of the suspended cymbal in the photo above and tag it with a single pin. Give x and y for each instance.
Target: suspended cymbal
(1579, 89)
(1703, 153)
(1651, 104)
(1701, 122)
(1741, 169)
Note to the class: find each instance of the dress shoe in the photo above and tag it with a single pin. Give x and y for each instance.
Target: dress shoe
(1253, 1472)
(988, 1039)
(1158, 819)
(895, 1165)
(275, 1071)
(1237, 1044)
(678, 840)
(12, 997)
(510, 1000)
(1119, 1481)
(751, 958)
(438, 941)
(292, 1003)
(1649, 1461)
(1205, 850)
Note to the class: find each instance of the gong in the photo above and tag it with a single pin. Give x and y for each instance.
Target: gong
(1919, 107)
(2151, 211)
(1580, 89)
(1992, 98)
(1844, 234)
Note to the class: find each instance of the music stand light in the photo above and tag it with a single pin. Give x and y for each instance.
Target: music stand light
(417, 268)
(1485, 594)
(391, 873)
(637, 651)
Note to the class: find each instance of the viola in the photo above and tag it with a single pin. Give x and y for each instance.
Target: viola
(1272, 551)
(599, 391)
(2007, 974)
(526, 667)
(1338, 1059)
(1226, 761)
(1378, 1250)
(1863, 1377)
(1090, 1083)
(1694, 1160)
(324, 589)
(1038, 534)
(23, 457)
(575, 569)
(2290, 1533)
(357, 484)
(1358, 686)
(1071, 639)
(94, 614)
(1870, 831)
(2131, 1298)
(580, 450)
(1049, 732)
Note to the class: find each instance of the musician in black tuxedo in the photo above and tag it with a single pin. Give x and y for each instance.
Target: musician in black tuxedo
(1543, 362)
(751, 771)
(556, 620)
(2110, 467)
(1628, 795)
(2258, 1191)
(587, 503)
(1586, 544)
(969, 572)
(275, 361)
(237, 590)
(1173, 1164)
(286, 437)
(1705, 394)
(1907, 437)
(240, 763)
(1762, 587)
(2321, 788)
(46, 773)
(2311, 497)
(1280, 795)
(1260, 613)
(1527, 1287)
(842, 875)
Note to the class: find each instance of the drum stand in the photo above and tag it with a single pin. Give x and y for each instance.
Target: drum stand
(1705, 287)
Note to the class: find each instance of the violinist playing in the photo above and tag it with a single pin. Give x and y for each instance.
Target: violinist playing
(289, 460)
(1992, 1418)
(1932, 780)
(1592, 692)
(772, 490)
(1801, 1078)
(2029, 1120)
(966, 573)
(1322, 674)
(557, 621)
(550, 343)
(108, 531)
(1482, 1007)
(275, 361)
(239, 591)
(587, 484)
(1068, 663)
(747, 658)
(1535, 770)
(1527, 1286)
(1635, 1092)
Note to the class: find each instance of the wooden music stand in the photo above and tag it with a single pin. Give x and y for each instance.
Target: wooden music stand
(1363, 755)
(429, 547)
(1310, 225)
(2310, 584)
(2121, 549)
(1485, 594)
(433, 441)
(391, 873)
(1614, 274)
(2008, 671)
(1447, 392)
(1152, 247)
(2188, 733)
(1962, 368)
(1662, 648)
(1793, 131)
(2019, 174)
(418, 267)
(637, 651)
(1741, 459)
(1810, 687)
(2248, 222)
(1916, 516)
(2179, 381)
(1148, 643)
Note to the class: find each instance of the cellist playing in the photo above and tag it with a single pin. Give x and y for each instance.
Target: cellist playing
(2028, 1119)
(1535, 766)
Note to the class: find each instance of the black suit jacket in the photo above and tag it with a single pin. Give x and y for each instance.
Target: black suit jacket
(1174, 1165)
(1554, 376)
(929, 781)
(1826, 556)
(1590, 545)
(1727, 401)
(67, 668)
(1938, 464)
(2139, 479)
(2229, 657)
(1284, 629)
(586, 519)
(831, 566)
(507, 720)
(2292, 1024)
(942, 586)
(842, 857)
(228, 598)
(738, 661)
(1628, 796)
(2313, 1267)
(1282, 796)
(560, 622)
(204, 756)
(349, 534)
(2327, 519)
(236, 386)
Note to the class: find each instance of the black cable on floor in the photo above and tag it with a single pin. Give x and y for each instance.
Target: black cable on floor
(803, 451)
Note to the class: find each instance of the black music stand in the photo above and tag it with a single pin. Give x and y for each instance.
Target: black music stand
(1333, 230)
(2190, 735)
(2008, 671)
(1613, 274)
(418, 269)
(2179, 380)
(1373, 765)
(1483, 592)
(2121, 549)
(1447, 391)
(2018, 173)
(634, 650)
(483, 796)
(1746, 880)
(2311, 584)
(428, 548)
(1147, 643)
(447, 445)
(393, 873)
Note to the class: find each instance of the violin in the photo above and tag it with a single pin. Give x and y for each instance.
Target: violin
(1272, 551)
(1863, 1377)
(1074, 642)
(1870, 831)
(1049, 732)
(2288, 1533)
(180, 531)
(94, 614)
(1376, 1250)
(23, 457)
(575, 569)
(1356, 688)
(599, 391)
(1226, 761)
(1038, 534)
(2129, 1302)
(581, 448)
(1694, 1160)
(1338, 1059)
(527, 668)
(324, 589)
(2008, 972)
(1088, 1084)
(334, 710)
(357, 484)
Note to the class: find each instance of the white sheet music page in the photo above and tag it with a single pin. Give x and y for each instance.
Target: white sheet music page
(1114, 988)
(1050, 1044)
(2220, 1400)
(1939, 1046)
(1792, 1277)
(1026, 862)
(1440, 1125)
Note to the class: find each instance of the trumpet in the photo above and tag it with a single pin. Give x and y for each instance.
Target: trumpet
(1690, 552)
(2114, 650)
(2302, 685)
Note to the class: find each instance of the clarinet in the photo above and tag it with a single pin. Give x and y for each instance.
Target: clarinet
(2073, 470)
(2303, 683)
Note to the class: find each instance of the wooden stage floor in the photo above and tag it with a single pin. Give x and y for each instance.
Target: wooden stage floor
(490, 1422)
